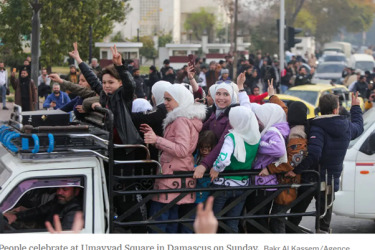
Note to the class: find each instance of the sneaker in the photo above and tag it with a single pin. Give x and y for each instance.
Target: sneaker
(5, 108)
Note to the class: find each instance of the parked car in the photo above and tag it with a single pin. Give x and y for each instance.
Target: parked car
(330, 71)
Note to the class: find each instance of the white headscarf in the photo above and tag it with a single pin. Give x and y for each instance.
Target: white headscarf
(181, 95)
(141, 105)
(269, 114)
(231, 92)
(245, 129)
(158, 91)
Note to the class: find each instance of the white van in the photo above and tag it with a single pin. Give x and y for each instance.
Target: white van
(355, 198)
(339, 47)
(362, 62)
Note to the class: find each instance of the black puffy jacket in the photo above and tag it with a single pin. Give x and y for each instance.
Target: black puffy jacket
(120, 103)
(46, 212)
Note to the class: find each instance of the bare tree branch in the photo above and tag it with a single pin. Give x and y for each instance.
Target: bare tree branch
(296, 11)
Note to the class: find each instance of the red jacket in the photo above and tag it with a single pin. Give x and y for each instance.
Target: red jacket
(258, 99)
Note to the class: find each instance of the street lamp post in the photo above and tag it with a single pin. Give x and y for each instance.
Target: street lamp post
(190, 32)
(90, 44)
(35, 46)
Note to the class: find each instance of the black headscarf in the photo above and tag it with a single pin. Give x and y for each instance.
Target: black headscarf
(297, 115)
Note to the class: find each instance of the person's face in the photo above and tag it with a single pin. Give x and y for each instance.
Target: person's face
(136, 73)
(210, 101)
(72, 70)
(169, 102)
(212, 66)
(222, 98)
(56, 89)
(364, 79)
(26, 63)
(110, 84)
(256, 91)
(249, 71)
(66, 194)
(150, 72)
(218, 68)
(185, 69)
(358, 76)
(259, 57)
(1, 65)
(44, 72)
(312, 70)
(94, 63)
(28, 59)
(265, 62)
(276, 64)
(83, 82)
(224, 64)
(24, 74)
(255, 74)
(204, 70)
(302, 71)
(225, 76)
(205, 150)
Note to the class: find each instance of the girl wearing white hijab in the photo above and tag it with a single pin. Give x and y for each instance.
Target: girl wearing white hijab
(141, 105)
(237, 153)
(224, 97)
(155, 117)
(181, 131)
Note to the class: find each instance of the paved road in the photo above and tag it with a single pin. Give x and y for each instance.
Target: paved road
(339, 224)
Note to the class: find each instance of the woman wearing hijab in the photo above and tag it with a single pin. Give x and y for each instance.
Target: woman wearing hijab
(141, 105)
(237, 153)
(274, 132)
(181, 131)
(154, 118)
(224, 98)
(25, 90)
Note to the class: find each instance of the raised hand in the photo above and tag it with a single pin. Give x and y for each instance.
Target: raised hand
(271, 90)
(75, 54)
(205, 221)
(117, 59)
(78, 224)
(55, 78)
(241, 80)
(190, 70)
(355, 99)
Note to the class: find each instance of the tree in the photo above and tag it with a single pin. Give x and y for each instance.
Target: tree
(148, 50)
(63, 22)
(117, 38)
(200, 21)
(164, 39)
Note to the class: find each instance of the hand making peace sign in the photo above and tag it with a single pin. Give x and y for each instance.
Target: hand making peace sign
(117, 60)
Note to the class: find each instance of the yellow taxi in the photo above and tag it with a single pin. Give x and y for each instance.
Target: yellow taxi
(312, 92)
(287, 99)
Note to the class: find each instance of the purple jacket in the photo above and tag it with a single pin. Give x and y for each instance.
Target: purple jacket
(220, 127)
(270, 149)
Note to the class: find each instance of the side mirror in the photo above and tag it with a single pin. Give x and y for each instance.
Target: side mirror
(371, 142)
(316, 111)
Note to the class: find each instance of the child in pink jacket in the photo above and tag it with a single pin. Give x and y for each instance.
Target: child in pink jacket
(181, 131)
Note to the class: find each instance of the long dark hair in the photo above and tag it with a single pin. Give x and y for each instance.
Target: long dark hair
(207, 138)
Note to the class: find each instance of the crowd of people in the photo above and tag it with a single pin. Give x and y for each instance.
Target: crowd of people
(198, 119)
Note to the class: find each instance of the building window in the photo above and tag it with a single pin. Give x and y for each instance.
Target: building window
(150, 16)
(104, 55)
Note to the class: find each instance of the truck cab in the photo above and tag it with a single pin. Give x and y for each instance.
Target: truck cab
(354, 199)
(22, 181)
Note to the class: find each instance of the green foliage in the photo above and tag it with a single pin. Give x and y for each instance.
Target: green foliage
(117, 38)
(10, 99)
(200, 21)
(148, 50)
(63, 22)
(165, 39)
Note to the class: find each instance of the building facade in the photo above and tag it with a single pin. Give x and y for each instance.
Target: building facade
(155, 16)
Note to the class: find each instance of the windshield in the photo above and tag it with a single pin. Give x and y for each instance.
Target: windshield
(334, 49)
(334, 59)
(368, 120)
(4, 174)
(330, 68)
(308, 96)
(28, 185)
(364, 65)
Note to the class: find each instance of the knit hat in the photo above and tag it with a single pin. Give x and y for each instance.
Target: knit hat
(297, 114)
(224, 71)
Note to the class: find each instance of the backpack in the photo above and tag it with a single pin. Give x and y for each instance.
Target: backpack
(297, 151)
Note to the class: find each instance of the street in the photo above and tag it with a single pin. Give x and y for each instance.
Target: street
(339, 224)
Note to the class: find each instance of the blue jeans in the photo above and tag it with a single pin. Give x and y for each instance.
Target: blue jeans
(171, 214)
(3, 94)
(226, 198)
(284, 88)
